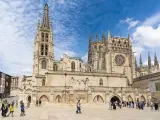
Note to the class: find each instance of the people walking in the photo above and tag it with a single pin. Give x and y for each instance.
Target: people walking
(22, 109)
(151, 105)
(37, 103)
(11, 109)
(40, 103)
(78, 107)
(3, 110)
(156, 106)
(114, 106)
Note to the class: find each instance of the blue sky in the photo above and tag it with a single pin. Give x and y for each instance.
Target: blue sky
(73, 21)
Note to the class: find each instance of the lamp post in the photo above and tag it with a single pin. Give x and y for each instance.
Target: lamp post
(65, 86)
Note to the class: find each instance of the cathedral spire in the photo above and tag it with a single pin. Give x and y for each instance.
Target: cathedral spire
(103, 37)
(156, 63)
(140, 62)
(149, 62)
(90, 39)
(136, 66)
(109, 35)
(97, 36)
(129, 40)
(46, 22)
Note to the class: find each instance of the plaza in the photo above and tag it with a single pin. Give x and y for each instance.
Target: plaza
(89, 112)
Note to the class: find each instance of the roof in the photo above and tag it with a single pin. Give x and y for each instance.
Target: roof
(77, 58)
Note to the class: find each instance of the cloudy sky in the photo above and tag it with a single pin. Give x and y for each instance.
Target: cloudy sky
(73, 21)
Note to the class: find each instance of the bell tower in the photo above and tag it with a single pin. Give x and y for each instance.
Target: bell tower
(43, 46)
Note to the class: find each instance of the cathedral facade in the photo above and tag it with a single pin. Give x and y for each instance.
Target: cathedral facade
(108, 75)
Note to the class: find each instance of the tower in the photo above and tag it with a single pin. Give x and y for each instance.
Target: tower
(140, 63)
(156, 63)
(43, 46)
(149, 63)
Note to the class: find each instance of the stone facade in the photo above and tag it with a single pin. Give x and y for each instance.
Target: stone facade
(108, 76)
(150, 68)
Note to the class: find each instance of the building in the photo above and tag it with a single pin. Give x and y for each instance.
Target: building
(5, 85)
(150, 82)
(108, 76)
(150, 68)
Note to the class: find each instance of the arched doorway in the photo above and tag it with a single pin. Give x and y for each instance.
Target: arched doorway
(130, 99)
(114, 99)
(44, 99)
(98, 99)
(58, 99)
(143, 98)
(29, 98)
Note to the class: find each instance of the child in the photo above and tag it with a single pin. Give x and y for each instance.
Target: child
(11, 109)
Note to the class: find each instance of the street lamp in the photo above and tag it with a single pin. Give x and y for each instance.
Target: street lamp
(65, 86)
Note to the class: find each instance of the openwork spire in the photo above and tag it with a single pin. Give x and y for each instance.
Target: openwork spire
(109, 35)
(136, 66)
(140, 62)
(97, 36)
(156, 63)
(46, 22)
(103, 37)
(149, 62)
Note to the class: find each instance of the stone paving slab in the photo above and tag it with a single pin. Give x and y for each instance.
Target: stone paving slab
(94, 112)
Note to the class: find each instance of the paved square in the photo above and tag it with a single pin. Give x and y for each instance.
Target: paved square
(89, 112)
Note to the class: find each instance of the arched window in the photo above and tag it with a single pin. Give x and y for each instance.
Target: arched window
(43, 64)
(100, 82)
(43, 82)
(46, 49)
(46, 37)
(73, 66)
(42, 49)
(80, 65)
(42, 37)
(55, 67)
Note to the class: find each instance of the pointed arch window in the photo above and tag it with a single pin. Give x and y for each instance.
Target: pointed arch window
(44, 64)
(42, 49)
(100, 82)
(43, 82)
(73, 66)
(46, 37)
(42, 37)
(55, 67)
(46, 49)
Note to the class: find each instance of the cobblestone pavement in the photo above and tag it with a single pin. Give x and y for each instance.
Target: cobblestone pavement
(89, 112)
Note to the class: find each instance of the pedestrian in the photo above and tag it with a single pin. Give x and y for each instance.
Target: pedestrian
(37, 103)
(151, 105)
(40, 103)
(22, 109)
(156, 106)
(78, 107)
(114, 106)
(3, 110)
(11, 109)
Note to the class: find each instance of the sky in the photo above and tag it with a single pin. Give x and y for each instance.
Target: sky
(73, 21)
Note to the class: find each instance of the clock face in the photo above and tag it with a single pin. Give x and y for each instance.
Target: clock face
(120, 60)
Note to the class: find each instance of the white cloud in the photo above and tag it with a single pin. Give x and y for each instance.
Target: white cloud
(131, 23)
(85, 58)
(18, 24)
(138, 49)
(153, 20)
(148, 36)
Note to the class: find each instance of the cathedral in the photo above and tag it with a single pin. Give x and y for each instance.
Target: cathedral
(108, 75)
